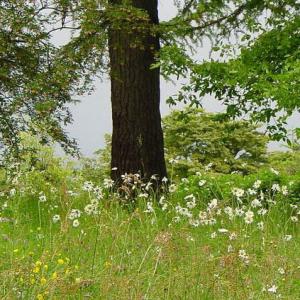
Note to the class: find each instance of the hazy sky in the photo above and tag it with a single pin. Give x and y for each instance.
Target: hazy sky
(92, 117)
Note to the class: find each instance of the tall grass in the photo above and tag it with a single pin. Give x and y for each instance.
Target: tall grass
(63, 238)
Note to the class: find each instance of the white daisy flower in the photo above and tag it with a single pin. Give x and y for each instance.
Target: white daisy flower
(75, 223)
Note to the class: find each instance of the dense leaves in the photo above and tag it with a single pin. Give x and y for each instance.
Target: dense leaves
(38, 79)
(262, 89)
(199, 140)
(257, 72)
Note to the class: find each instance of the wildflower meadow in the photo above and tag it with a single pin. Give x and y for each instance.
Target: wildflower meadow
(208, 236)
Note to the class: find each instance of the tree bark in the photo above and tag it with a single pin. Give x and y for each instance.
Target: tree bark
(137, 139)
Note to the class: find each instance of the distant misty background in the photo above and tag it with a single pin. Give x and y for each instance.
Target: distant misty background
(92, 116)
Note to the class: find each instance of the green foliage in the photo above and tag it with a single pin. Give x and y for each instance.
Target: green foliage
(287, 162)
(37, 79)
(96, 169)
(197, 139)
(262, 81)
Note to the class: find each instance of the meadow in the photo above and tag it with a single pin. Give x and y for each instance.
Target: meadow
(206, 237)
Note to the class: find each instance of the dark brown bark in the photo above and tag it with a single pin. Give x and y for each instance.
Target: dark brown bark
(137, 140)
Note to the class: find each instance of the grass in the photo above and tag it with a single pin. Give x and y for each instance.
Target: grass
(151, 249)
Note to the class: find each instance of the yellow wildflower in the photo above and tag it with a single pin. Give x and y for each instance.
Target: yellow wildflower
(107, 263)
(77, 280)
(60, 261)
(43, 281)
(40, 297)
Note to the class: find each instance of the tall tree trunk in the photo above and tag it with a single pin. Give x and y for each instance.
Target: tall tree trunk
(137, 139)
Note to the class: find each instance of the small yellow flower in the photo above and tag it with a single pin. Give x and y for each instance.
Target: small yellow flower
(67, 271)
(16, 250)
(54, 275)
(46, 267)
(60, 261)
(43, 281)
(21, 280)
(31, 253)
(77, 280)
(76, 267)
(38, 263)
(107, 264)
(31, 231)
(32, 281)
(39, 228)
(40, 297)
(46, 292)
(36, 270)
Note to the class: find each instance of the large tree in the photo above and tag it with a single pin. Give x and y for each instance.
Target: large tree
(137, 140)
(130, 30)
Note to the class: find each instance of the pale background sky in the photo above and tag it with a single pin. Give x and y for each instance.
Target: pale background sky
(92, 117)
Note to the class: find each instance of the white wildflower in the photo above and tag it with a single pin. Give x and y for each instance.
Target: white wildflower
(251, 192)
(275, 187)
(164, 180)
(257, 184)
(108, 183)
(56, 218)
(273, 289)
(213, 204)
(294, 219)
(274, 171)
(76, 213)
(213, 235)
(172, 188)
(238, 192)
(222, 230)
(75, 223)
(150, 208)
(89, 208)
(281, 271)
(261, 225)
(202, 215)
(173, 161)
(262, 211)
(256, 203)
(239, 212)
(42, 198)
(284, 190)
(288, 237)
(202, 182)
(248, 219)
